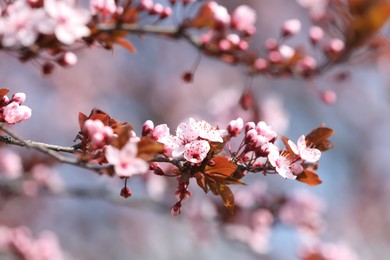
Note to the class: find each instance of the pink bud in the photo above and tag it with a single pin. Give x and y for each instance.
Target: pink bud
(261, 65)
(67, 59)
(334, 48)
(271, 44)
(316, 34)
(157, 9)
(146, 5)
(291, 27)
(250, 126)
(296, 168)
(166, 13)
(18, 98)
(235, 126)
(176, 209)
(329, 97)
(147, 128)
(14, 113)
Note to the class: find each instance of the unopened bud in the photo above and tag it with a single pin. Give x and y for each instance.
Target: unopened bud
(157, 9)
(125, 192)
(147, 128)
(188, 77)
(19, 98)
(67, 59)
(329, 97)
(47, 68)
(235, 126)
(291, 27)
(176, 209)
(316, 34)
(166, 13)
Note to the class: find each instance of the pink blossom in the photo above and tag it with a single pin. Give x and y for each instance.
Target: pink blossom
(243, 19)
(14, 113)
(125, 161)
(67, 22)
(147, 128)
(20, 25)
(306, 153)
(265, 130)
(291, 27)
(19, 98)
(102, 6)
(235, 126)
(196, 151)
(282, 166)
(99, 133)
(203, 130)
(10, 164)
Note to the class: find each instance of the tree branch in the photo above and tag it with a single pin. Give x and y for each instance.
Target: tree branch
(51, 150)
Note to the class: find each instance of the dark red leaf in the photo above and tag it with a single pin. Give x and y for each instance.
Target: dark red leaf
(309, 177)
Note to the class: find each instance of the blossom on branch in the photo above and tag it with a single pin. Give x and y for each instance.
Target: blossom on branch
(306, 153)
(125, 160)
(66, 22)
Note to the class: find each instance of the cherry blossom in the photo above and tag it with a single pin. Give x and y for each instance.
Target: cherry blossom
(67, 22)
(102, 6)
(98, 132)
(10, 164)
(282, 165)
(243, 19)
(196, 151)
(14, 113)
(125, 161)
(235, 126)
(306, 153)
(20, 26)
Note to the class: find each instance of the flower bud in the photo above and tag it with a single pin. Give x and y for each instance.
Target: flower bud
(19, 98)
(67, 59)
(235, 126)
(125, 192)
(291, 27)
(147, 128)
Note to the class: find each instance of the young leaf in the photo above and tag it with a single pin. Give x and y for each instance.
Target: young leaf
(201, 181)
(222, 166)
(309, 177)
(125, 44)
(3, 92)
(227, 197)
(82, 119)
(148, 148)
(319, 135)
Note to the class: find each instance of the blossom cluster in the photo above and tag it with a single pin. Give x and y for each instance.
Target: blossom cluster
(199, 150)
(11, 109)
(18, 243)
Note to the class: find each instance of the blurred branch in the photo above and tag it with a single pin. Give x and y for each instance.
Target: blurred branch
(48, 149)
(170, 32)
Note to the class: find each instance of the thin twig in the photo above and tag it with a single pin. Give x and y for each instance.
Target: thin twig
(51, 150)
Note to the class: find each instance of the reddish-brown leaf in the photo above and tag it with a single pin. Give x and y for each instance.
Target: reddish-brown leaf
(123, 136)
(82, 119)
(285, 141)
(204, 18)
(201, 181)
(3, 92)
(227, 197)
(125, 44)
(309, 177)
(148, 148)
(222, 166)
(319, 135)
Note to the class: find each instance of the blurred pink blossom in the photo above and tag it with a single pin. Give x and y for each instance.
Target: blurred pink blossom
(98, 132)
(125, 161)
(68, 23)
(306, 153)
(14, 113)
(102, 6)
(20, 25)
(244, 18)
(10, 164)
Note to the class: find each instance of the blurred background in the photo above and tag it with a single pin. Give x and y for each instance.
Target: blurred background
(99, 224)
